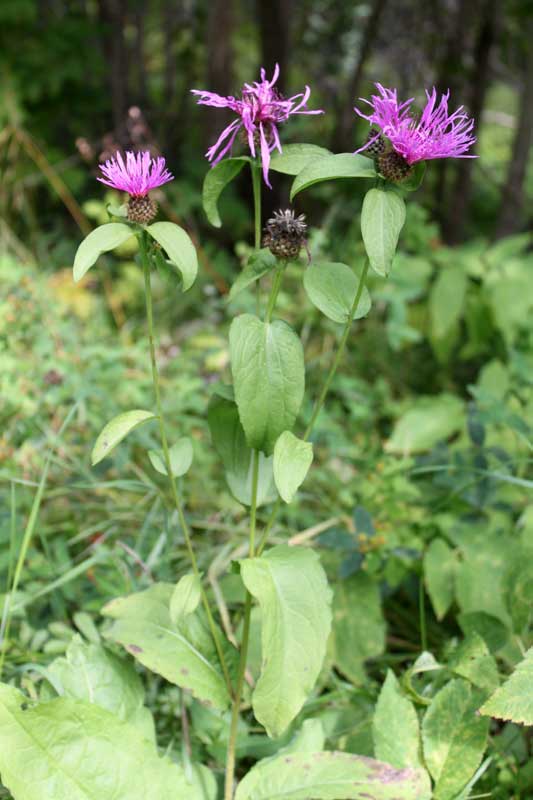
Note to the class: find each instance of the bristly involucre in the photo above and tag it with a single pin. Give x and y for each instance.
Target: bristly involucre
(285, 234)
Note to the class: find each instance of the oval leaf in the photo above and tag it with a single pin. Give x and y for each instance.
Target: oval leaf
(295, 157)
(185, 598)
(382, 219)
(331, 776)
(178, 247)
(332, 289)
(268, 370)
(330, 168)
(260, 263)
(183, 653)
(292, 590)
(395, 728)
(216, 181)
(180, 453)
(99, 241)
(116, 430)
(292, 459)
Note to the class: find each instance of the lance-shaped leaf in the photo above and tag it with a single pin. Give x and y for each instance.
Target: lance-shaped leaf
(333, 167)
(292, 459)
(179, 248)
(295, 157)
(439, 573)
(183, 653)
(180, 453)
(382, 219)
(331, 776)
(267, 364)
(216, 181)
(116, 430)
(332, 288)
(70, 750)
(99, 241)
(291, 588)
(395, 727)
(514, 700)
(230, 443)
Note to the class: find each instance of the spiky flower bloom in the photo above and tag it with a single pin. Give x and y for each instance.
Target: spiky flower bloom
(285, 234)
(139, 175)
(260, 110)
(436, 133)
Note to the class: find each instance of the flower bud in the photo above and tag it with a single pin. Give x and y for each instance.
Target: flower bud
(284, 235)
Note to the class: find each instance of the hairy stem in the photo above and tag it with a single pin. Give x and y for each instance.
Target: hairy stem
(166, 454)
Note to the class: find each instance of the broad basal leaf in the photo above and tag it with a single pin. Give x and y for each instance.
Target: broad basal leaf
(382, 219)
(292, 459)
(332, 167)
(395, 727)
(178, 247)
(295, 157)
(230, 443)
(216, 181)
(69, 750)
(331, 776)
(332, 288)
(514, 700)
(291, 588)
(454, 738)
(116, 430)
(99, 241)
(184, 654)
(267, 364)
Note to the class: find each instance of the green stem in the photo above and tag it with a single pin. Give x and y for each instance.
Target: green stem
(422, 615)
(256, 186)
(322, 396)
(166, 454)
(232, 741)
(276, 285)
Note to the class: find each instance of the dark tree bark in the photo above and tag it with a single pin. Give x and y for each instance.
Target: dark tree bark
(274, 24)
(511, 213)
(457, 207)
(113, 15)
(138, 90)
(342, 138)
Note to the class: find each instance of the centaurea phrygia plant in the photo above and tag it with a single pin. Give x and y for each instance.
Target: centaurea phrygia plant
(260, 110)
(400, 138)
(137, 176)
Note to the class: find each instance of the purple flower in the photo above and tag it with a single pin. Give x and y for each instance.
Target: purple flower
(435, 134)
(260, 109)
(139, 175)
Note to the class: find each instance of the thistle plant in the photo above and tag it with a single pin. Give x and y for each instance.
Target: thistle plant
(174, 630)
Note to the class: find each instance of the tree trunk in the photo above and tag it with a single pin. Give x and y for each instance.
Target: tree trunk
(512, 207)
(274, 18)
(342, 137)
(113, 16)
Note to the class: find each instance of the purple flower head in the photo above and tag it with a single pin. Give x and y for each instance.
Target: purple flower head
(139, 175)
(435, 134)
(260, 109)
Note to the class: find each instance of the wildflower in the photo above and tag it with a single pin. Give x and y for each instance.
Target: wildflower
(260, 109)
(285, 235)
(434, 134)
(139, 175)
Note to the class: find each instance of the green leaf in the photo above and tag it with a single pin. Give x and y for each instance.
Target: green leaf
(295, 157)
(90, 672)
(183, 654)
(333, 167)
(447, 299)
(439, 575)
(180, 458)
(116, 430)
(99, 241)
(414, 181)
(514, 700)
(179, 248)
(230, 443)
(292, 459)
(268, 370)
(291, 588)
(490, 628)
(382, 219)
(69, 750)
(428, 421)
(481, 573)
(260, 263)
(331, 776)
(395, 727)
(216, 181)
(473, 661)
(185, 598)
(358, 625)
(454, 737)
(332, 289)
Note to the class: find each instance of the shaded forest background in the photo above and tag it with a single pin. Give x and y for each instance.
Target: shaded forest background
(81, 78)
